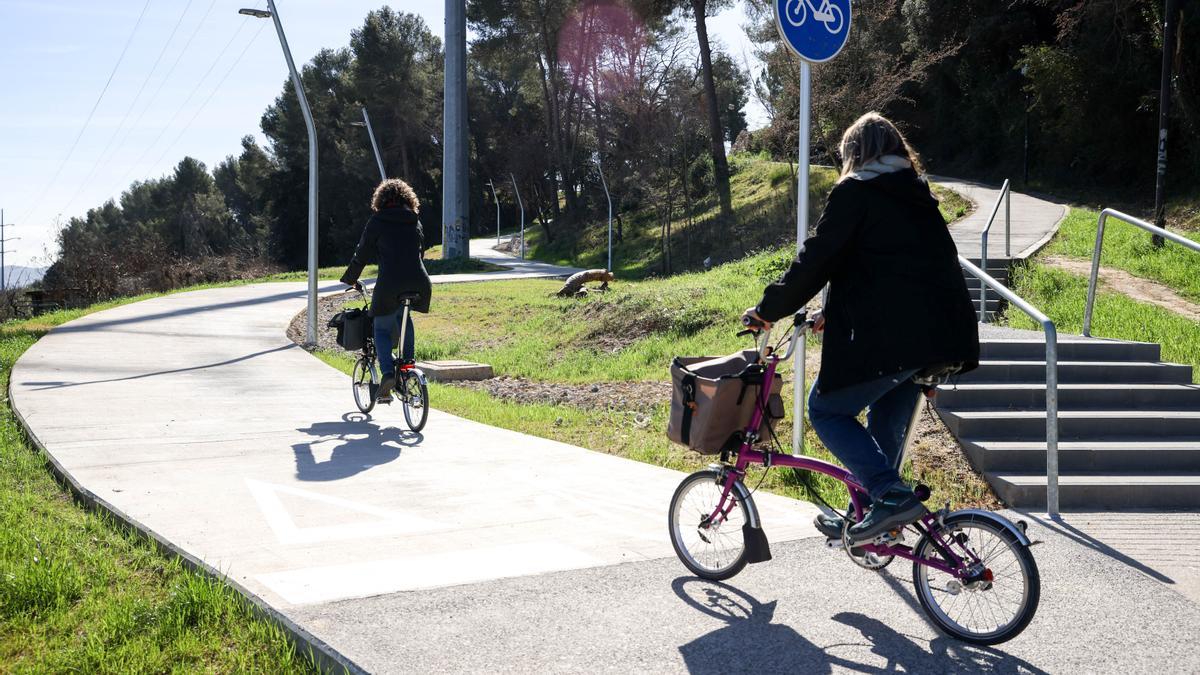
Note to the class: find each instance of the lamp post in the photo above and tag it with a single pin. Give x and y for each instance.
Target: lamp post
(497, 200)
(1025, 159)
(374, 146)
(310, 338)
(520, 205)
(600, 170)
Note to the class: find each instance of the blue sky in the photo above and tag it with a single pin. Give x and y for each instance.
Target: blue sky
(58, 54)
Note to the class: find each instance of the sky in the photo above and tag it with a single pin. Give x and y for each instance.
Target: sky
(191, 77)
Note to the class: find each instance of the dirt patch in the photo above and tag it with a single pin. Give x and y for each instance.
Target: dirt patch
(639, 398)
(1142, 290)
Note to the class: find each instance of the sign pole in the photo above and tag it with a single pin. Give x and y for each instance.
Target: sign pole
(799, 376)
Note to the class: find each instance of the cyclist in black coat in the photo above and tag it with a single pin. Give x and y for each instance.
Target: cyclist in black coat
(393, 237)
(897, 305)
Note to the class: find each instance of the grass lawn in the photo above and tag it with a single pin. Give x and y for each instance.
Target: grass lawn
(79, 594)
(1128, 247)
(1061, 296)
(630, 333)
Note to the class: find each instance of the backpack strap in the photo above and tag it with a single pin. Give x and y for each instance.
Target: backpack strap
(689, 407)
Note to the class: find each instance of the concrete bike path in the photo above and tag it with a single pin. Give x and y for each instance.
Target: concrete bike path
(1033, 220)
(194, 416)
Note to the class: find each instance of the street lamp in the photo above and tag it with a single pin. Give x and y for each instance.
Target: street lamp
(600, 170)
(1025, 162)
(520, 205)
(374, 146)
(310, 338)
(497, 200)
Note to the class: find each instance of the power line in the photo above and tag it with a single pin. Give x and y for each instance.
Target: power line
(86, 182)
(199, 83)
(95, 105)
(217, 88)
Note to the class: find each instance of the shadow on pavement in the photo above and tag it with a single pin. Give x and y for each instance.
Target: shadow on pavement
(750, 642)
(1060, 526)
(364, 445)
(40, 386)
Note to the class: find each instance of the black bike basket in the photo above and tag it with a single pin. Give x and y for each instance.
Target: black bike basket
(353, 326)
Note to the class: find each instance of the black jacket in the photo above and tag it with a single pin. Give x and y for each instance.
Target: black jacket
(897, 299)
(393, 238)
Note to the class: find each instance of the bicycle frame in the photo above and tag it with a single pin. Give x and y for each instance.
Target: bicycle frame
(747, 455)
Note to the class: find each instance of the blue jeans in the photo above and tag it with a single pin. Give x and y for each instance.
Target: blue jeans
(385, 325)
(873, 453)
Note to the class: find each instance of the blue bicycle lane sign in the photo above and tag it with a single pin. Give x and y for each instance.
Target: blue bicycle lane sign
(815, 30)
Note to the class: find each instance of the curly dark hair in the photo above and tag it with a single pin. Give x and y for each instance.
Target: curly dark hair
(395, 192)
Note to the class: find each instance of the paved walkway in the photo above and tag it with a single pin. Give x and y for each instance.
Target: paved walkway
(1034, 220)
(485, 250)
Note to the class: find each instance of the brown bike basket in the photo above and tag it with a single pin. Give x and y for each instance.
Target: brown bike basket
(713, 397)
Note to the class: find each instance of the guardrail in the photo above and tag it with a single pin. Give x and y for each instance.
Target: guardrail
(1124, 217)
(1005, 198)
(1051, 376)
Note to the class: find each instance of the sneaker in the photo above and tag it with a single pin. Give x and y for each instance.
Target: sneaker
(386, 385)
(830, 526)
(897, 508)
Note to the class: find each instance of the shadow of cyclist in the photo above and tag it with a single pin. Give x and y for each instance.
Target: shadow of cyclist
(904, 653)
(364, 445)
(750, 643)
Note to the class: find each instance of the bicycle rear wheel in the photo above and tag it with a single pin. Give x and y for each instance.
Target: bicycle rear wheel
(993, 606)
(711, 550)
(362, 378)
(415, 394)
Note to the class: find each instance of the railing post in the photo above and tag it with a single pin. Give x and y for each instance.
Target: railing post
(1007, 220)
(1091, 294)
(1051, 417)
(982, 286)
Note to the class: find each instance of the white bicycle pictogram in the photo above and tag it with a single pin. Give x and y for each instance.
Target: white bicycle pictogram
(796, 13)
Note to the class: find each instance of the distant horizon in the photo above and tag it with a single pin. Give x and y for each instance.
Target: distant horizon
(145, 124)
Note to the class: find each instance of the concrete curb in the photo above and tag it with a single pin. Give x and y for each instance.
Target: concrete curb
(326, 658)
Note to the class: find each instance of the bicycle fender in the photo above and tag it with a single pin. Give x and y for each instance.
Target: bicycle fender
(743, 494)
(998, 520)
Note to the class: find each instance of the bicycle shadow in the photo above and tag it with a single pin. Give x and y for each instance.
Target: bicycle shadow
(364, 445)
(779, 648)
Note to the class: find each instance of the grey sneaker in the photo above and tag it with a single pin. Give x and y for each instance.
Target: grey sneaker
(386, 385)
(898, 507)
(830, 526)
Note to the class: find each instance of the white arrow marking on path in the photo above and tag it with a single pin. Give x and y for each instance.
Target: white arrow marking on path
(276, 515)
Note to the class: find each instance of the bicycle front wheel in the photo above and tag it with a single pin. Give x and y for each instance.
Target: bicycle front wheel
(712, 548)
(416, 399)
(362, 379)
(996, 603)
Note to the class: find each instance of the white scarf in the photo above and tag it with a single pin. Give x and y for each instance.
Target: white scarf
(880, 166)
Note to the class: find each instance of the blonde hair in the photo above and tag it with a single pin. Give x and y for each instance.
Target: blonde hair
(395, 192)
(870, 137)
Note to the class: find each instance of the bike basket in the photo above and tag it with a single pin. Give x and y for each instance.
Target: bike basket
(352, 326)
(713, 398)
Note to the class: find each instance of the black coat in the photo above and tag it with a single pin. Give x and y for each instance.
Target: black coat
(393, 238)
(897, 298)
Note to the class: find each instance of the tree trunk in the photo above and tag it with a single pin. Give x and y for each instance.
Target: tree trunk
(715, 129)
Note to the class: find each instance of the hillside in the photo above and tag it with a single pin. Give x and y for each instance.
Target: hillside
(764, 206)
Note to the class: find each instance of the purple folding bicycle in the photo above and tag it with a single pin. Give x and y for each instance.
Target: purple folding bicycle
(973, 572)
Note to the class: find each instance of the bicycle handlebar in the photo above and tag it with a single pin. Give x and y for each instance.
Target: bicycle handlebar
(800, 323)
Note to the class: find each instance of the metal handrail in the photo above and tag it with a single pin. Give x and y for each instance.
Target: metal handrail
(1104, 215)
(1005, 196)
(1051, 377)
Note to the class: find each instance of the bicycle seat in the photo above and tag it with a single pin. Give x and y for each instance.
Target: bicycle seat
(408, 297)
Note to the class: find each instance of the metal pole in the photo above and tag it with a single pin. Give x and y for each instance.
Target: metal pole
(600, 170)
(374, 145)
(798, 380)
(1007, 220)
(520, 205)
(310, 338)
(1051, 417)
(455, 208)
(1170, 27)
(1091, 294)
(497, 200)
(983, 287)
(3, 285)
(1025, 176)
